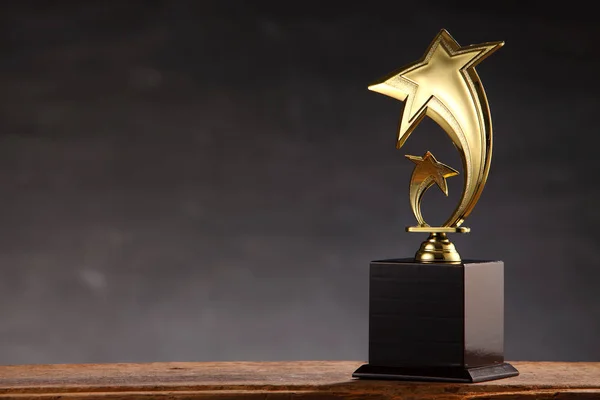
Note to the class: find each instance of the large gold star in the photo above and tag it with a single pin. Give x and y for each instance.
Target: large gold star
(429, 170)
(444, 74)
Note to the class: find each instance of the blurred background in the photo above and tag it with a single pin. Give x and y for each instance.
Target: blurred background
(208, 180)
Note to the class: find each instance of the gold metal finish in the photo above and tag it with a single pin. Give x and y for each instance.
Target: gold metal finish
(437, 248)
(444, 85)
(427, 172)
(438, 229)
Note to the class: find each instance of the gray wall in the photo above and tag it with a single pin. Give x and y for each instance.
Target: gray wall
(209, 180)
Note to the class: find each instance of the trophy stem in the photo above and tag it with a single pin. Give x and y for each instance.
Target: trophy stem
(437, 249)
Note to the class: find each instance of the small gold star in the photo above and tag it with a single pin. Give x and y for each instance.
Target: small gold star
(429, 169)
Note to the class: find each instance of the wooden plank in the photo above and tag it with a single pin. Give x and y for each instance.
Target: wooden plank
(281, 380)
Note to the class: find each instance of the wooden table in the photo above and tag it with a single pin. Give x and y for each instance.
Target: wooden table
(281, 380)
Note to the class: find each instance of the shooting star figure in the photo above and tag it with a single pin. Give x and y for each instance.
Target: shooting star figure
(445, 86)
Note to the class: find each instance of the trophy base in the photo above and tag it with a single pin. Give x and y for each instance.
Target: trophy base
(439, 374)
(436, 321)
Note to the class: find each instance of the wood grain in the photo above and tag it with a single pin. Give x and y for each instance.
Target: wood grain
(281, 380)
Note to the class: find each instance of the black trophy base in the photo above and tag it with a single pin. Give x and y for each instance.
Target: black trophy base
(436, 322)
(437, 374)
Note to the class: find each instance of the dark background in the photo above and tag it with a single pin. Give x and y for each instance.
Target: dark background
(208, 180)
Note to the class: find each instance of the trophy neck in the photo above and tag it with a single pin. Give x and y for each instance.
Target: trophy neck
(437, 249)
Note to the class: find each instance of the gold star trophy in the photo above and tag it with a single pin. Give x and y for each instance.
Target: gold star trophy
(436, 317)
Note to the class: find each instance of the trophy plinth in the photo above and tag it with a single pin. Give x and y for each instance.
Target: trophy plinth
(436, 322)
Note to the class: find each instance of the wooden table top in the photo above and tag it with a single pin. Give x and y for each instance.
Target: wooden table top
(282, 380)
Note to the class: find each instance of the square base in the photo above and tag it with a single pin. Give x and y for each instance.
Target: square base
(437, 374)
(436, 322)
(436, 315)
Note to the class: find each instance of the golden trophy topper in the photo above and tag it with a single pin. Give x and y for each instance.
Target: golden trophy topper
(444, 86)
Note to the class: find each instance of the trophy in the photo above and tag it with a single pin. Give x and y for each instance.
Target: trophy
(437, 317)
